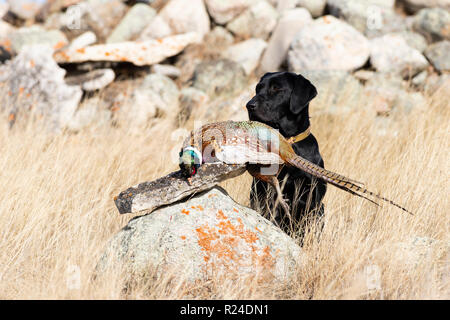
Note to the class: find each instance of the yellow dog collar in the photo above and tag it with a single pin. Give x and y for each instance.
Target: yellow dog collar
(301, 136)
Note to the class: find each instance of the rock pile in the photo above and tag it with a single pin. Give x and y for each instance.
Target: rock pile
(216, 50)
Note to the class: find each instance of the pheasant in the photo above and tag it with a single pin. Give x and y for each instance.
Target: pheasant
(264, 150)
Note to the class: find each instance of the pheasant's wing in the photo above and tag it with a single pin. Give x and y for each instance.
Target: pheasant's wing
(241, 154)
(244, 148)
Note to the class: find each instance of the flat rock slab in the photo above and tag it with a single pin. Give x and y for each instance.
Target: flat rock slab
(139, 52)
(148, 196)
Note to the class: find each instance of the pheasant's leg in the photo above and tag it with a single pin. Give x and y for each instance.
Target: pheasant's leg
(274, 181)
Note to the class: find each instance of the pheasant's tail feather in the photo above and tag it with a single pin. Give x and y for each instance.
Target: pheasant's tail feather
(337, 180)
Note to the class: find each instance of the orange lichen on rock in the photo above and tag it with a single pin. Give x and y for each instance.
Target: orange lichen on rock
(62, 54)
(184, 211)
(6, 44)
(221, 215)
(229, 245)
(59, 45)
(207, 237)
(266, 260)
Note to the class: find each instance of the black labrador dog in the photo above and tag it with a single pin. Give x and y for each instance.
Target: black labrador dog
(282, 102)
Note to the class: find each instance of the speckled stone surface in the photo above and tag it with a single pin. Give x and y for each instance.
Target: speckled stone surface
(210, 235)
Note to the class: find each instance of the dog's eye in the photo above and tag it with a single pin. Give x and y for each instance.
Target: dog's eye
(275, 89)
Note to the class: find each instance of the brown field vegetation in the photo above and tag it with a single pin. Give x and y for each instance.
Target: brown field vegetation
(56, 209)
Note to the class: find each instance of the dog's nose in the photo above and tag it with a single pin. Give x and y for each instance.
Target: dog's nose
(251, 104)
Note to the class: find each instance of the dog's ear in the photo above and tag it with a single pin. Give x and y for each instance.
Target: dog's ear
(303, 92)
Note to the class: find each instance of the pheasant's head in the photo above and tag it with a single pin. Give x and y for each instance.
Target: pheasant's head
(190, 161)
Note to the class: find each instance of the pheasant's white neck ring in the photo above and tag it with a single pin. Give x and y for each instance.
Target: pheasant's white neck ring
(197, 153)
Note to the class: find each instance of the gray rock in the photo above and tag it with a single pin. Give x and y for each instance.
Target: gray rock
(363, 75)
(219, 78)
(223, 11)
(282, 5)
(167, 70)
(328, 44)
(413, 39)
(25, 9)
(99, 16)
(420, 79)
(315, 7)
(93, 80)
(246, 53)
(157, 94)
(5, 31)
(208, 236)
(83, 40)
(186, 16)
(288, 25)
(255, 22)
(418, 250)
(4, 7)
(162, 91)
(435, 83)
(134, 22)
(412, 6)
(387, 92)
(439, 55)
(369, 17)
(158, 28)
(36, 86)
(433, 23)
(53, 6)
(102, 16)
(22, 37)
(211, 48)
(89, 115)
(389, 82)
(219, 38)
(192, 102)
(407, 101)
(391, 53)
(338, 91)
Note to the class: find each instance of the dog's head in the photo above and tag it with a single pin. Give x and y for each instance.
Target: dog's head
(281, 100)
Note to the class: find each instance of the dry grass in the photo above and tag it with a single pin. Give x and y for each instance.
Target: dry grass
(56, 210)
